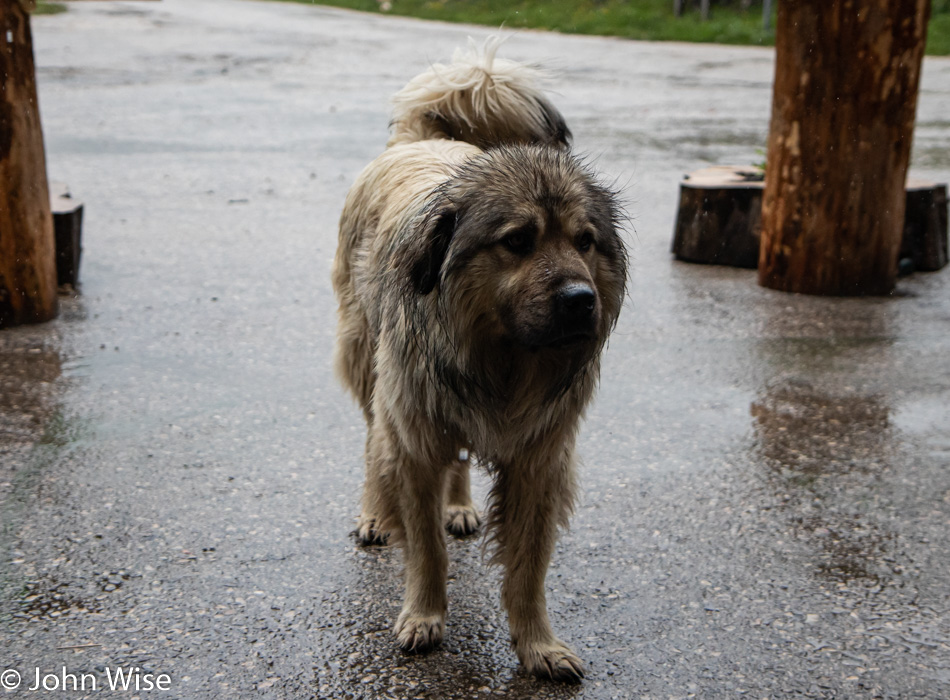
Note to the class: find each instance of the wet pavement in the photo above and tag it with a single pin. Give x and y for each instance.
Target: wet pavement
(765, 507)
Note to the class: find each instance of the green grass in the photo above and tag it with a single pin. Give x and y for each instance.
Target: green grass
(938, 33)
(49, 8)
(633, 19)
(650, 20)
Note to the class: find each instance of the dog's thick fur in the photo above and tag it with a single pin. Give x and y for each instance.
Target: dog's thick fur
(479, 273)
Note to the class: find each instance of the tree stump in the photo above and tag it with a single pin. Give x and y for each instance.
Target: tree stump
(67, 228)
(925, 226)
(27, 253)
(719, 217)
(718, 221)
(843, 107)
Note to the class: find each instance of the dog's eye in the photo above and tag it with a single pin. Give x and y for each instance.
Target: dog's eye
(585, 241)
(520, 242)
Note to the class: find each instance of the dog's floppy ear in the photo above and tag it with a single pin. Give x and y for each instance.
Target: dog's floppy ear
(431, 242)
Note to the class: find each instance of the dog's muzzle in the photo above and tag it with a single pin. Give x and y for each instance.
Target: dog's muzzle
(575, 318)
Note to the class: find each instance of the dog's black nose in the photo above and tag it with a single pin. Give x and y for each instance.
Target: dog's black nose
(575, 315)
(576, 300)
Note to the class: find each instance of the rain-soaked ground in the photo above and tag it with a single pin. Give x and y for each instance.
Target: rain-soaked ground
(766, 478)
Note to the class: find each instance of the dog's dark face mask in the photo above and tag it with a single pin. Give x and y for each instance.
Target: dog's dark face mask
(522, 250)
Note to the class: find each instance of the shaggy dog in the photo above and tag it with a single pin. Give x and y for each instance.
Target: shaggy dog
(479, 273)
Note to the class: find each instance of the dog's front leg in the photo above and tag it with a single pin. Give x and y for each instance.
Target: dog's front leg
(529, 503)
(421, 623)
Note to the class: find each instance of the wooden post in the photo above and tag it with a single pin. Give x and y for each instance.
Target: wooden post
(27, 253)
(843, 108)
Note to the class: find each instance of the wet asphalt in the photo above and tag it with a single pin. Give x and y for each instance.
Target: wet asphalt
(765, 506)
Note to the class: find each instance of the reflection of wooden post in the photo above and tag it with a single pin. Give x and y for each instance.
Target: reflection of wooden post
(843, 107)
(27, 254)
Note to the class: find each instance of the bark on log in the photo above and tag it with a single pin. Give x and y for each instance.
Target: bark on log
(843, 108)
(27, 254)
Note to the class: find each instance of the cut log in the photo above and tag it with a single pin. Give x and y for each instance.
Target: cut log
(719, 217)
(925, 226)
(719, 221)
(843, 108)
(27, 253)
(67, 226)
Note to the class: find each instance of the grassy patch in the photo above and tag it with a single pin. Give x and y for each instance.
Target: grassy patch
(938, 33)
(633, 19)
(49, 8)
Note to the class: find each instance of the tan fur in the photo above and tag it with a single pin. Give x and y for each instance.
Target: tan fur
(477, 284)
(478, 98)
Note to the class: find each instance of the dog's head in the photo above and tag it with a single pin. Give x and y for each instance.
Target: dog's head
(521, 247)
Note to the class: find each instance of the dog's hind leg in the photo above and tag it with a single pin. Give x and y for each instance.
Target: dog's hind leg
(353, 359)
(461, 516)
(368, 528)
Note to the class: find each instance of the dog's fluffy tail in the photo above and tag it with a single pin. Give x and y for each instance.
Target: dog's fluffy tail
(479, 99)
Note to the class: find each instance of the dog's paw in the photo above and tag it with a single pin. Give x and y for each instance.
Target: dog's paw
(419, 634)
(552, 660)
(462, 521)
(367, 534)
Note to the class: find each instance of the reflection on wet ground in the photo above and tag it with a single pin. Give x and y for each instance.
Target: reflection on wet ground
(811, 443)
(34, 430)
(27, 396)
(849, 482)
